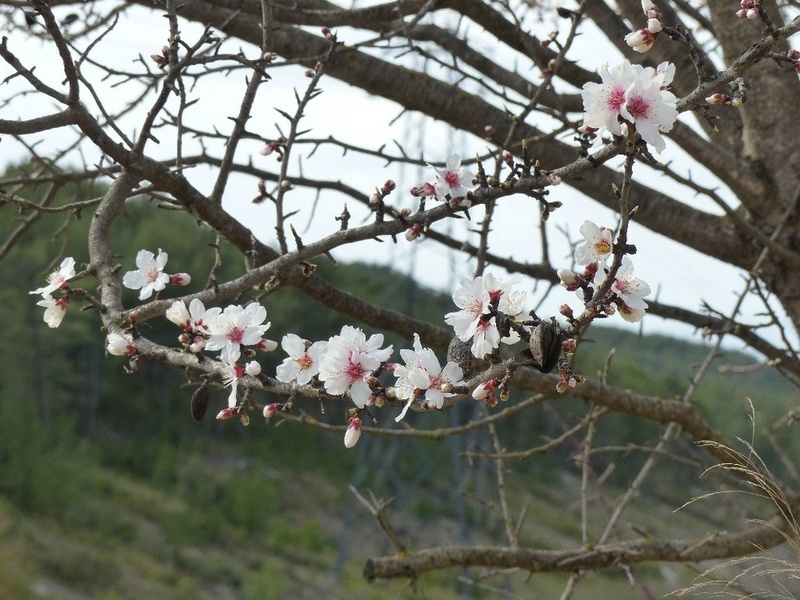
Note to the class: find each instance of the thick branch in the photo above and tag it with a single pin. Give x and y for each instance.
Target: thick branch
(716, 546)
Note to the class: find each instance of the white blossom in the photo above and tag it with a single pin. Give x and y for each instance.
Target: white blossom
(453, 180)
(303, 361)
(234, 327)
(630, 288)
(58, 278)
(598, 244)
(149, 276)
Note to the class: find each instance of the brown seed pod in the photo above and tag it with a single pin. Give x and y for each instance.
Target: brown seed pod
(545, 345)
(200, 402)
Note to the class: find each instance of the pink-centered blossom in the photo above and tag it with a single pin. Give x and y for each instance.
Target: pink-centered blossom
(58, 278)
(55, 309)
(234, 327)
(149, 276)
(422, 375)
(303, 361)
(630, 288)
(349, 362)
(453, 180)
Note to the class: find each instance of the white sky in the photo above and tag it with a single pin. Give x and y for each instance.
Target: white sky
(679, 275)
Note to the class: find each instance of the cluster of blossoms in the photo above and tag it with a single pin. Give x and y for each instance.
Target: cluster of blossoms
(55, 307)
(226, 330)
(626, 292)
(633, 94)
(749, 9)
(794, 56)
(643, 39)
(480, 300)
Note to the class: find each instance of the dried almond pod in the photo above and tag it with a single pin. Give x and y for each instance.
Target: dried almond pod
(200, 402)
(545, 345)
(460, 353)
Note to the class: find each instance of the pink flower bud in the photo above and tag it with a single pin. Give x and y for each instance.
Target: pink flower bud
(227, 413)
(388, 187)
(566, 310)
(271, 409)
(561, 386)
(353, 432)
(484, 390)
(180, 279)
(569, 279)
(413, 232)
(640, 41)
(569, 345)
(375, 199)
(553, 179)
(508, 158)
(716, 98)
(266, 345)
(269, 148)
(309, 73)
(752, 14)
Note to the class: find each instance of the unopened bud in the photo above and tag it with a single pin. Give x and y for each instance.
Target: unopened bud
(353, 432)
(413, 232)
(180, 279)
(271, 409)
(227, 413)
(253, 368)
(286, 185)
